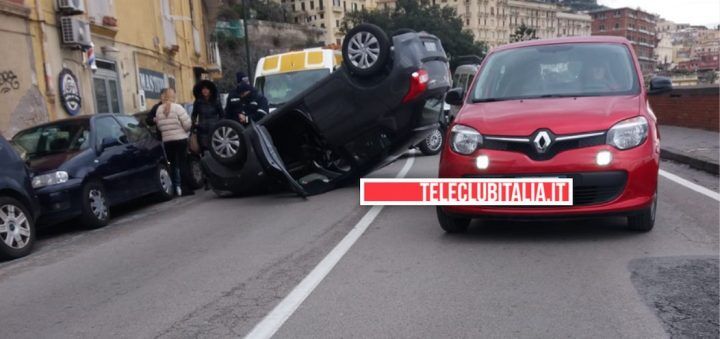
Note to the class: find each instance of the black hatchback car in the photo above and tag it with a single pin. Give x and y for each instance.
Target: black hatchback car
(82, 166)
(18, 205)
(387, 96)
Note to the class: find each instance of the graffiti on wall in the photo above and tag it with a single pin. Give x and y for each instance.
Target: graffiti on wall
(8, 81)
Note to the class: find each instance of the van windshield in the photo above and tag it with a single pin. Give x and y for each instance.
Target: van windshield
(562, 70)
(280, 88)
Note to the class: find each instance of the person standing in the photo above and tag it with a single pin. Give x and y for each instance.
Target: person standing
(174, 123)
(206, 112)
(245, 104)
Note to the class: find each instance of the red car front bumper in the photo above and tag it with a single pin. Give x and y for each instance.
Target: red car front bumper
(639, 167)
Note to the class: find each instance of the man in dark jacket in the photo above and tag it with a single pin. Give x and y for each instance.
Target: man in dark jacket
(207, 111)
(245, 103)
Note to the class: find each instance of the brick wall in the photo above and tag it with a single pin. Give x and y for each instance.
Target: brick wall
(693, 107)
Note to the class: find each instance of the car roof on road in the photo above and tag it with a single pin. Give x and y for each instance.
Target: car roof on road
(567, 40)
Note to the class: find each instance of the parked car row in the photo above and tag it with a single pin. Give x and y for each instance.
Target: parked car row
(75, 168)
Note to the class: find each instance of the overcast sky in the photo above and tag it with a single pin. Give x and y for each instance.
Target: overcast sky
(696, 12)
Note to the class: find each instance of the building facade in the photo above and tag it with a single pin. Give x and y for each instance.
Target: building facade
(325, 14)
(99, 56)
(491, 21)
(494, 21)
(637, 26)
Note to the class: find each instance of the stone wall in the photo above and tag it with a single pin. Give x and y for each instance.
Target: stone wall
(692, 107)
(266, 38)
(275, 37)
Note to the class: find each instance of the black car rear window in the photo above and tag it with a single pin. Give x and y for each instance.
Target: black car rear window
(60, 137)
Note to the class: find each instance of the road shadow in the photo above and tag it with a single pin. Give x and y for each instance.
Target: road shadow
(545, 230)
(117, 213)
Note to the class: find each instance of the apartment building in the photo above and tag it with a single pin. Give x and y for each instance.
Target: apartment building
(493, 21)
(636, 25)
(325, 14)
(71, 57)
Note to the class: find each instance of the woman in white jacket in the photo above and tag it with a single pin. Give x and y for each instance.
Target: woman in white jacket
(174, 123)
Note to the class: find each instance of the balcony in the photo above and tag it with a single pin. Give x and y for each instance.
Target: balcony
(214, 62)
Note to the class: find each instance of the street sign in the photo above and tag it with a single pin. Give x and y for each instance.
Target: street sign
(232, 28)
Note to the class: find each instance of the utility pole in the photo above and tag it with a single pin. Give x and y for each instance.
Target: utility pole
(247, 40)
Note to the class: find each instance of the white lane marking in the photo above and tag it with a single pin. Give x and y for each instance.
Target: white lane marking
(691, 185)
(277, 317)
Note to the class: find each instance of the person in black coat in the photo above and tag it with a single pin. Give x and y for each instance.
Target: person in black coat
(244, 103)
(207, 111)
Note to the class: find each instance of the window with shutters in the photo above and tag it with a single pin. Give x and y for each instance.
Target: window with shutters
(168, 24)
(196, 32)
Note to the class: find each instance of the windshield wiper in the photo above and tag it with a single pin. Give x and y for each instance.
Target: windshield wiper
(490, 99)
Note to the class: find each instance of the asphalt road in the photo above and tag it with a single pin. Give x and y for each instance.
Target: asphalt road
(211, 267)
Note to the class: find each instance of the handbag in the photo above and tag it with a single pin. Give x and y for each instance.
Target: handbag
(194, 143)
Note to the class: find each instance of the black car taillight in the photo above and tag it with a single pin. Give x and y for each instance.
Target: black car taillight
(418, 85)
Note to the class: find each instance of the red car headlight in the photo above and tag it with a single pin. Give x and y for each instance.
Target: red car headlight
(464, 140)
(628, 133)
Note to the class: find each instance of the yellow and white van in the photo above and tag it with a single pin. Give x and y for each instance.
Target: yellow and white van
(280, 77)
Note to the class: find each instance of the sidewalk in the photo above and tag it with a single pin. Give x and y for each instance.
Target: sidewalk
(694, 147)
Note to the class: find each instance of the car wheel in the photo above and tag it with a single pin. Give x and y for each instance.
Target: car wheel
(164, 182)
(95, 209)
(17, 229)
(365, 50)
(645, 220)
(450, 223)
(227, 145)
(196, 171)
(433, 143)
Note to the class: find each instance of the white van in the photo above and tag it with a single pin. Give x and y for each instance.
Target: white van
(280, 77)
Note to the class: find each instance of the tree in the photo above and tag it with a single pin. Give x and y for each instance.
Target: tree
(523, 33)
(443, 22)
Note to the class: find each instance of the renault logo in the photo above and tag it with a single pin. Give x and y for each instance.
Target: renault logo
(542, 141)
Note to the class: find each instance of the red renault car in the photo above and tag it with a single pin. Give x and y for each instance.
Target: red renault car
(569, 108)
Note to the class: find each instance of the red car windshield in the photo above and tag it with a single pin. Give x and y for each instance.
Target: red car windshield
(560, 70)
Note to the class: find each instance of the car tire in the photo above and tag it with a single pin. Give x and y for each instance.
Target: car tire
(95, 208)
(227, 144)
(196, 171)
(164, 184)
(645, 220)
(365, 50)
(433, 143)
(17, 229)
(450, 223)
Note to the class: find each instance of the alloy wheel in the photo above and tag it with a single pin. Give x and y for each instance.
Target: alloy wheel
(97, 204)
(225, 142)
(434, 140)
(14, 227)
(165, 181)
(363, 50)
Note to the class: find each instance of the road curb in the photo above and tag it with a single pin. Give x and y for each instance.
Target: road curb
(694, 162)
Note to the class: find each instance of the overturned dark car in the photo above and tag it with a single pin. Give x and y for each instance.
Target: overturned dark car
(387, 96)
